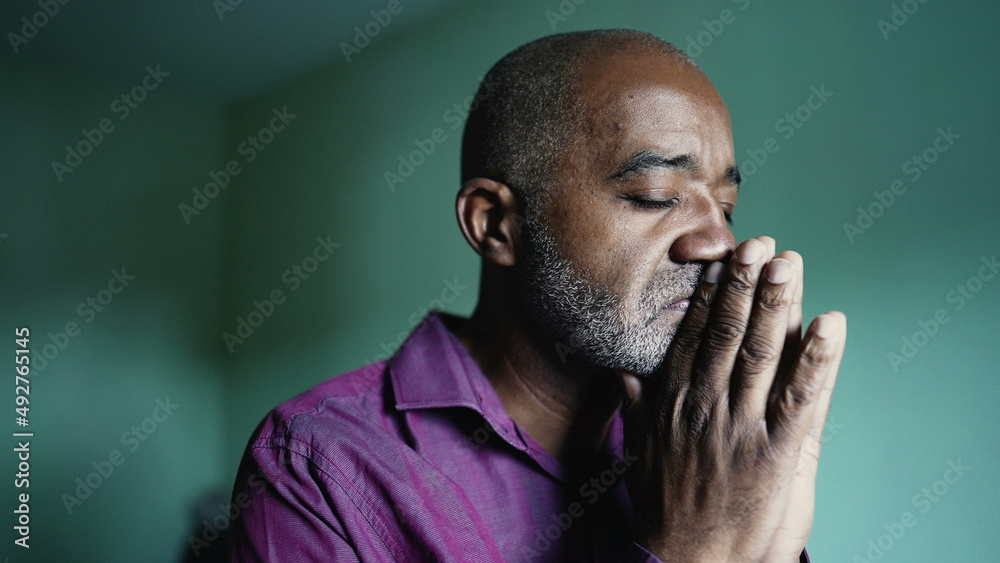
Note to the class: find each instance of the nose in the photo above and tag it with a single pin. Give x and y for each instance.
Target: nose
(708, 239)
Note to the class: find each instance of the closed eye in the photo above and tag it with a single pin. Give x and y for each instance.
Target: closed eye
(664, 204)
(652, 203)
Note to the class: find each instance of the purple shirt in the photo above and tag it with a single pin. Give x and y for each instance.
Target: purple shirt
(415, 459)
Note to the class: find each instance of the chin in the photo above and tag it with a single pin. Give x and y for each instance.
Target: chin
(648, 351)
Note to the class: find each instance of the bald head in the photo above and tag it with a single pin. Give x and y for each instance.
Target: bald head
(598, 176)
(528, 109)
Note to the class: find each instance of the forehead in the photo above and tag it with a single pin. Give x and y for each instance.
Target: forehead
(652, 101)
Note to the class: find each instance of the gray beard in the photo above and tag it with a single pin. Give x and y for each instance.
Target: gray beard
(592, 319)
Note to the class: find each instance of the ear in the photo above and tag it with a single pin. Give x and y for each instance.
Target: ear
(489, 214)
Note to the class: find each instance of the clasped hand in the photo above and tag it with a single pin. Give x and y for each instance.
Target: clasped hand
(728, 431)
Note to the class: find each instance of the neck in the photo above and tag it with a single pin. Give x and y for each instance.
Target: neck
(565, 404)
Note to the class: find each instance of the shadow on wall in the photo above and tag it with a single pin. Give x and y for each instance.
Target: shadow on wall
(208, 537)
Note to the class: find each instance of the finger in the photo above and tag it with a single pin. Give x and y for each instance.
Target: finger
(760, 351)
(826, 393)
(793, 337)
(802, 495)
(769, 244)
(728, 323)
(688, 338)
(631, 392)
(807, 390)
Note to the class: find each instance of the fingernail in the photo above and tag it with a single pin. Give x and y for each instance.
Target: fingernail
(779, 271)
(823, 327)
(749, 252)
(713, 271)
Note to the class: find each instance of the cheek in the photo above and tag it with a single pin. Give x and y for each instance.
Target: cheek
(609, 248)
(589, 238)
(641, 258)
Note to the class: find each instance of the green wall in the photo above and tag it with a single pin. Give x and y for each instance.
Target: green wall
(893, 429)
(116, 211)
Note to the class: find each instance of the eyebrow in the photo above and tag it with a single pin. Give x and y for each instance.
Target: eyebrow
(648, 160)
(733, 175)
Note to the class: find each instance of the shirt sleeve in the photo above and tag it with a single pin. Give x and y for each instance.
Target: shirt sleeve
(286, 513)
(320, 489)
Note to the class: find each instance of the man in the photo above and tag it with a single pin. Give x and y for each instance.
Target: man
(632, 385)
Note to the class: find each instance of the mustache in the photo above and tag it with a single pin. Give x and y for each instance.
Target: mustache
(669, 287)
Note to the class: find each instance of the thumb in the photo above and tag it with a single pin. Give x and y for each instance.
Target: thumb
(634, 409)
(631, 393)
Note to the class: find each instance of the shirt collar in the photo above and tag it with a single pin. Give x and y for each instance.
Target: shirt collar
(433, 369)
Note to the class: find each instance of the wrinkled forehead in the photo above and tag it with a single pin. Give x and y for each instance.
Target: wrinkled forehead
(629, 84)
(628, 101)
